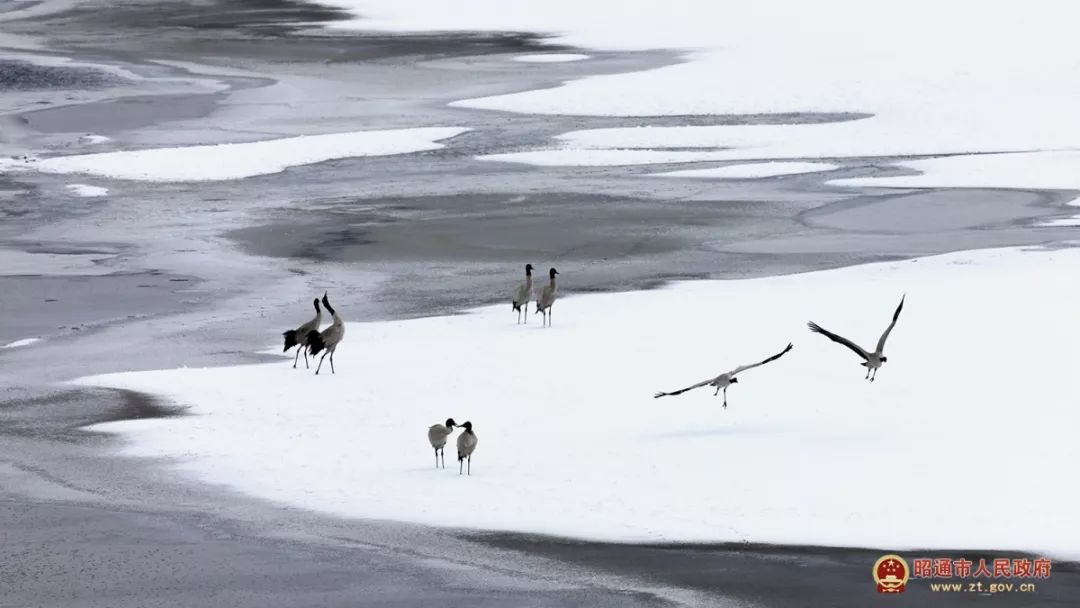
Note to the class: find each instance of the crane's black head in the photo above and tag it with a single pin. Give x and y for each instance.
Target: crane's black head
(528, 270)
(326, 303)
(467, 426)
(552, 273)
(316, 304)
(884, 359)
(450, 423)
(734, 380)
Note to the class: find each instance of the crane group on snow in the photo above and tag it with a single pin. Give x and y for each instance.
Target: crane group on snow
(308, 338)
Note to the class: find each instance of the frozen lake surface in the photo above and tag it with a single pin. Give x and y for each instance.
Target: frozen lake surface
(855, 159)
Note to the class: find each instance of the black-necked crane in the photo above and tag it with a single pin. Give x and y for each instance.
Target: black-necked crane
(437, 434)
(871, 360)
(523, 294)
(547, 298)
(466, 445)
(328, 339)
(299, 336)
(723, 381)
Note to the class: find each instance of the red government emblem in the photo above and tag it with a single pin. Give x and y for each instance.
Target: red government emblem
(891, 574)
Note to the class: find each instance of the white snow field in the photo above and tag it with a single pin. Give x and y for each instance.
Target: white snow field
(966, 440)
(958, 77)
(1057, 169)
(19, 343)
(752, 170)
(236, 161)
(551, 58)
(86, 190)
(93, 138)
(1062, 221)
(603, 158)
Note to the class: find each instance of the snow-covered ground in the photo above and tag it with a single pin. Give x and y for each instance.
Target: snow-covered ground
(23, 342)
(236, 161)
(965, 440)
(604, 158)
(1057, 169)
(1062, 221)
(753, 170)
(551, 58)
(86, 190)
(92, 138)
(960, 77)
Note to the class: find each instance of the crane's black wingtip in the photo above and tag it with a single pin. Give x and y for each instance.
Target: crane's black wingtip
(814, 327)
(315, 342)
(658, 395)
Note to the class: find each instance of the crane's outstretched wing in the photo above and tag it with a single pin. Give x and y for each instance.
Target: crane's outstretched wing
(683, 390)
(885, 336)
(743, 368)
(814, 327)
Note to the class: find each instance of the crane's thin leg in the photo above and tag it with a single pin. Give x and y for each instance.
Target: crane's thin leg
(460, 464)
(436, 458)
(332, 363)
(867, 373)
(320, 364)
(443, 457)
(549, 316)
(725, 397)
(306, 364)
(297, 358)
(874, 377)
(526, 313)
(519, 316)
(717, 392)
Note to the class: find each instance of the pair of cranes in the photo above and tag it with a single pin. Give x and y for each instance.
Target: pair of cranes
(524, 292)
(308, 338)
(872, 360)
(466, 442)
